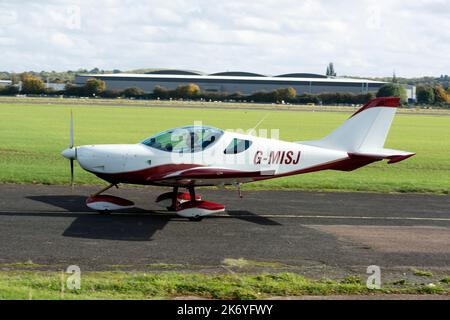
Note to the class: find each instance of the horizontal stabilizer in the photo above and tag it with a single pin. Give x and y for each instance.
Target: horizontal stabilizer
(394, 156)
(357, 160)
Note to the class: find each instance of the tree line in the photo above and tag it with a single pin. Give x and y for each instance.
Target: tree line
(433, 95)
(30, 84)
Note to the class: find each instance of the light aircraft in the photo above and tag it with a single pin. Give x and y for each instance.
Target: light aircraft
(194, 156)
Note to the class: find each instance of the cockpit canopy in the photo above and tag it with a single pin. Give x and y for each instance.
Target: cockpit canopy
(185, 139)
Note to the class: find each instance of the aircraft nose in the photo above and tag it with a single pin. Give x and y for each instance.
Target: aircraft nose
(70, 153)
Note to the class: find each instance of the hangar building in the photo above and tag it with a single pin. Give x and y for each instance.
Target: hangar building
(5, 83)
(232, 82)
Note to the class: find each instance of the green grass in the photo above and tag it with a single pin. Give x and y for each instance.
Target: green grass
(122, 285)
(164, 266)
(244, 263)
(32, 137)
(28, 264)
(422, 273)
(205, 104)
(352, 279)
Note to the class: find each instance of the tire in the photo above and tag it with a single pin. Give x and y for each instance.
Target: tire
(104, 212)
(196, 219)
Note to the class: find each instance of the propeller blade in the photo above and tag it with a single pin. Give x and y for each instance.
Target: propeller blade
(71, 172)
(71, 130)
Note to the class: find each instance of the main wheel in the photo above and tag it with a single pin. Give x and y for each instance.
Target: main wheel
(104, 212)
(196, 219)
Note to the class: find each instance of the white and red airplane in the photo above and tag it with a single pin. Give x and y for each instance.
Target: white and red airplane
(193, 156)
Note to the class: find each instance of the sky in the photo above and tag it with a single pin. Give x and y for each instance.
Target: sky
(362, 38)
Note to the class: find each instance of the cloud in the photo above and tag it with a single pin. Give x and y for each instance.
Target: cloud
(364, 38)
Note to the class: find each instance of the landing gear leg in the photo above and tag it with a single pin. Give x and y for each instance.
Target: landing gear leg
(174, 205)
(192, 193)
(239, 190)
(105, 189)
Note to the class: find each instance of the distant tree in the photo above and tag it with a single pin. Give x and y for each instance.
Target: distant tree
(286, 94)
(95, 71)
(160, 92)
(236, 96)
(393, 90)
(330, 70)
(94, 86)
(188, 91)
(15, 78)
(111, 94)
(264, 96)
(50, 91)
(73, 90)
(133, 92)
(425, 94)
(9, 90)
(308, 98)
(441, 96)
(32, 84)
(394, 78)
(363, 98)
(330, 98)
(215, 96)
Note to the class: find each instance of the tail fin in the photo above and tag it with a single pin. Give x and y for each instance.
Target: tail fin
(365, 133)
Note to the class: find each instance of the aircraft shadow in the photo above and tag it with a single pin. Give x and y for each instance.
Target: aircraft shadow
(125, 225)
(73, 203)
(252, 217)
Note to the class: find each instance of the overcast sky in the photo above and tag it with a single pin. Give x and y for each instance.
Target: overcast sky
(362, 38)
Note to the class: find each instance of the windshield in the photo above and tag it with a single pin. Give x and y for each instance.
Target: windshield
(185, 139)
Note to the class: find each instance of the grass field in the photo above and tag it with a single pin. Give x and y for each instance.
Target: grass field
(33, 135)
(139, 285)
(208, 105)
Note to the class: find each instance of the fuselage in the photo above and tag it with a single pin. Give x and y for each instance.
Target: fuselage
(230, 158)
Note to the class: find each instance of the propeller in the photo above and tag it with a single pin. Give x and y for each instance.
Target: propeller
(71, 130)
(71, 152)
(71, 147)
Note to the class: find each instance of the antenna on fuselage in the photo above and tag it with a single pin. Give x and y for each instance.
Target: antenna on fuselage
(251, 131)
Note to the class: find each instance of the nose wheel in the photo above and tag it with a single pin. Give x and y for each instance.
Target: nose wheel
(196, 219)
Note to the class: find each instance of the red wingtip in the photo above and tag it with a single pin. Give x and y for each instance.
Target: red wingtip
(390, 102)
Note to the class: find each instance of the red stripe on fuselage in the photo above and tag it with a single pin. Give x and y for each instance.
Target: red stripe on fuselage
(145, 176)
(156, 175)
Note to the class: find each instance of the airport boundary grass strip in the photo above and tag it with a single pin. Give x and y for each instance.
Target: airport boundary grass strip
(121, 285)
